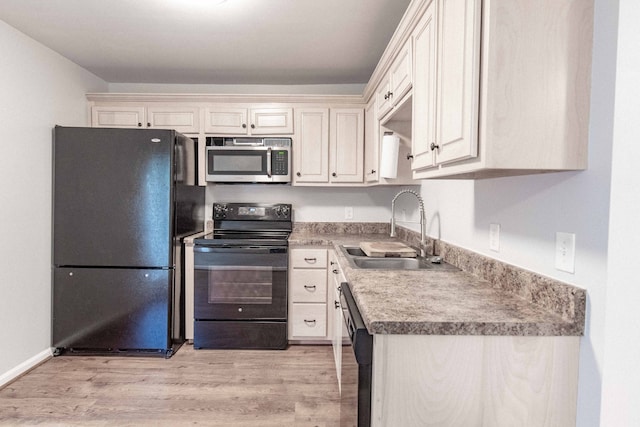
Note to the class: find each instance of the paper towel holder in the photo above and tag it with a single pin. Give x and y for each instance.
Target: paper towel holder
(389, 155)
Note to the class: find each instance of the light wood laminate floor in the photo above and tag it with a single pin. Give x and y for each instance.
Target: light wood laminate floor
(295, 387)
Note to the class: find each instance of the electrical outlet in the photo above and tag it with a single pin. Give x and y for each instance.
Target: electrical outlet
(209, 225)
(348, 212)
(494, 237)
(565, 252)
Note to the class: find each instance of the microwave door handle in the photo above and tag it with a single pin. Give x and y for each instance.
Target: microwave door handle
(269, 162)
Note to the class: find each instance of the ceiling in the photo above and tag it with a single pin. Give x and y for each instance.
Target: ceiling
(270, 42)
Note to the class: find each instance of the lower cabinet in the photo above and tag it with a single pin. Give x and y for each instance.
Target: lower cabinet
(338, 329)
(308, 294)
(445, 380)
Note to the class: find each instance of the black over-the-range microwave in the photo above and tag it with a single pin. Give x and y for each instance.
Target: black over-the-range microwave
(248, 159)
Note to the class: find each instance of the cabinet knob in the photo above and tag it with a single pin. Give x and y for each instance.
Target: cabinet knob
(336, 304)
(244, 126)
(148, 124)
(335, 271)
(253, 126)
(434, 146)
(298, 174)
(334, 174)
(373, 171)
(139, 125)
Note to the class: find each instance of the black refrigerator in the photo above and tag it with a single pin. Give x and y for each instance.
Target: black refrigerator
(123, 200)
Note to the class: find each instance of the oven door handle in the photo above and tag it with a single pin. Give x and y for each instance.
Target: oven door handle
(240, 250)
(237, 266)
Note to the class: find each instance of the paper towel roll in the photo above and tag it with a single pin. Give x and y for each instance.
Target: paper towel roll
(389, 156)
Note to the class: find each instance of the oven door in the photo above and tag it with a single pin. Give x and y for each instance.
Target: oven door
(240, 283)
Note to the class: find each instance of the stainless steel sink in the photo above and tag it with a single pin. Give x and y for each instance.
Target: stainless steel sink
(358, 259)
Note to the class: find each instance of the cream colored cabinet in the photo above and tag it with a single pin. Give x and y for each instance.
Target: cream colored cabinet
(513, 112)
(398, 82)
(424, 88)
(308, 294)
(482, 380)
(346, 145)
(328, 146)
(229, 120)
(371, 144)
(445, 95)
(183, 119)
(338, 329)
(311, 146)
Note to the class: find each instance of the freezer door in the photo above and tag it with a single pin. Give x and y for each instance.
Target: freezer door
(100, 309)
(113, 197)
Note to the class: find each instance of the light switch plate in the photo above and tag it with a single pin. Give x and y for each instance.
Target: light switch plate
(565, 252)
(494, 237)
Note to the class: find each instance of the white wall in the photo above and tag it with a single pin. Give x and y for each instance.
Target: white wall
(531, 209)
(39, 90)
(621, 376)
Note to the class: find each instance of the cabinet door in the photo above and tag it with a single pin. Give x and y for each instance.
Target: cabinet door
(308, 285)
(371, 145)
(182, 119)
(401, 73)
(308, 320)
(335, 312)
(311, 146)
(424, 90)
(383, 99)
(226, 121)
(458, 79)
(271, 121)
(118, 117)
(346, 145)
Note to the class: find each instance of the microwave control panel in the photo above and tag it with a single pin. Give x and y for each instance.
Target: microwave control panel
(280, 162)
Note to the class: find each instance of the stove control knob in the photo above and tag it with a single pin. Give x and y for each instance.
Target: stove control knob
(283, 211)
(219, 211)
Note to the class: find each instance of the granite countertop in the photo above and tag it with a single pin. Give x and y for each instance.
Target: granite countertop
(437, 302)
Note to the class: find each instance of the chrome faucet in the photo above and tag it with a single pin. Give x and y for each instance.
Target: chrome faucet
(423, 241)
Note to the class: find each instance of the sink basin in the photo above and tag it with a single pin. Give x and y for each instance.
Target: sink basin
(358, 259)
(389, 263)
(353, 251)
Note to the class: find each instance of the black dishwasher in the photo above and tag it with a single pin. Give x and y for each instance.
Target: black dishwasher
(355, 398)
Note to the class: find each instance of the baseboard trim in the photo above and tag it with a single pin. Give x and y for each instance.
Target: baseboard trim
(25, 366)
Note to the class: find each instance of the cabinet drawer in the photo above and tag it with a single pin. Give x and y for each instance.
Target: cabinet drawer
(308, 285)
(308, 320)
(308, 258)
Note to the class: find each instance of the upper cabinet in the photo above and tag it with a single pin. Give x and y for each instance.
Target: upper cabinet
(328, 146)
(447, 64)
(311, 146)
(228, 120)
(501, 88)
(346, 145)
(397, 82)
(183, 119)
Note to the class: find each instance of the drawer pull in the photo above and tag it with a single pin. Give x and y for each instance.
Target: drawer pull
(310, 259)
(313, 287)
(310, 322)
(336, 304)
